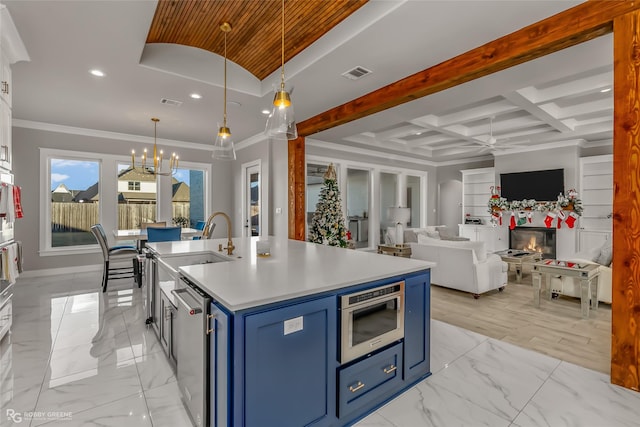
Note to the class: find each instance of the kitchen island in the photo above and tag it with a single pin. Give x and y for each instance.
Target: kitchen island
(276, 331)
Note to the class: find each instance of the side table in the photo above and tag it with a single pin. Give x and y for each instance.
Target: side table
(517, 258)
(588, 274)
(396, 250)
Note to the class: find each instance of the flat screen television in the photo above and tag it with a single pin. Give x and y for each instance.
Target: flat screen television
(543, 186)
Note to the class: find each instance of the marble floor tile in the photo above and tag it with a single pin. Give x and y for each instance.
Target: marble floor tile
(427, 404)
(576, 396)
(154, 370)
(130, 411)
(143, 340)
(88, 389)
(503, 391)
(165, 407)
(449, 342)
(374, 420)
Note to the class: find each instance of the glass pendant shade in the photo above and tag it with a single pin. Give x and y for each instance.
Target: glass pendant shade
(223, 148)
(281, 123)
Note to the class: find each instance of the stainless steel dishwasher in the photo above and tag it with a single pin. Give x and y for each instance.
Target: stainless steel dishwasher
(192, 329)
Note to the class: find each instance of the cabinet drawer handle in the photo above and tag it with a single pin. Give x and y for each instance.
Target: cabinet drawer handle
(5, 87)
(390, 369)
(357, 387)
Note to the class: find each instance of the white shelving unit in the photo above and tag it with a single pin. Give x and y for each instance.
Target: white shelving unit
(476, 191)
(596, 192)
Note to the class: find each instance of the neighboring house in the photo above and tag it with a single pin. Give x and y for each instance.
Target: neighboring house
(62, 194)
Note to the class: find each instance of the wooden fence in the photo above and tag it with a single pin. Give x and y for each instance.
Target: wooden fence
(81, 216)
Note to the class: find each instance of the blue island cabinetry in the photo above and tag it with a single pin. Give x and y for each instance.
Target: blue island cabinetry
(279, 365)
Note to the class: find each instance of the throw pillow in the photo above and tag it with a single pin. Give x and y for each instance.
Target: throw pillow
(606, 254)
(410, 236)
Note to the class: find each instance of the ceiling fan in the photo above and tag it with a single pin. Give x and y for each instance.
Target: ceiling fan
(484, 144)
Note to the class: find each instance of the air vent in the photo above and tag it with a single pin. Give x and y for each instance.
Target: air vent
(356, 73)
(171, 102)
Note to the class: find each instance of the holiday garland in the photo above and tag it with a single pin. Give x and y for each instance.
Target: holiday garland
(327, 224)
(568, 201)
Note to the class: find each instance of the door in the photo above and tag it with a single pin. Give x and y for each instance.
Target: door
(450, 203)
(252, 204)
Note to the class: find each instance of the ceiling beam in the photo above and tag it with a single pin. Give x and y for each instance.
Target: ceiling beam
(581, 23)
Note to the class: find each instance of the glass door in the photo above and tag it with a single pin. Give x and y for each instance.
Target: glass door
(252, 217)
(358, 206)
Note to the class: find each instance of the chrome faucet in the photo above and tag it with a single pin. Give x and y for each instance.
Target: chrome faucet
(206, 231)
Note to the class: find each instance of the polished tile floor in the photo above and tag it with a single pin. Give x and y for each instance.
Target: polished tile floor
(77, 357)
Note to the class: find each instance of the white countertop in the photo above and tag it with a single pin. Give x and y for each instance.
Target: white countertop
(294, 269)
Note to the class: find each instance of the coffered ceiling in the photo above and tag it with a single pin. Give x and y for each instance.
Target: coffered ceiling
(152, 51)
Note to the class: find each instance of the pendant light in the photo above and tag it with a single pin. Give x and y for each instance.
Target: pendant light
(281, 122)
(223, 148)
(158, 158)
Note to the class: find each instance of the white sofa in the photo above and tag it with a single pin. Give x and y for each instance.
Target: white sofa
(462, 265)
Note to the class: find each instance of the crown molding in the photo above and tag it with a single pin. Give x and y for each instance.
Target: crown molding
(124, 137)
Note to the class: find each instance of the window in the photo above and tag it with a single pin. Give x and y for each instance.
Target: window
(188, 196)
(137, 196)
(73, 192)
(78, 189)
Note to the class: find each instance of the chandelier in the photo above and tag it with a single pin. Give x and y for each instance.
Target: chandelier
(157, 164)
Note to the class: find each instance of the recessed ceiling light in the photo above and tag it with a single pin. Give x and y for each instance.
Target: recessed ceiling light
(606, 90)
(234, 103)
(195, 96)
(97, 73)
(265, 111)
(418, 133)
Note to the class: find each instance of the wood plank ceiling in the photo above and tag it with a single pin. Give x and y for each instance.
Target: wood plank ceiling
(255, 41)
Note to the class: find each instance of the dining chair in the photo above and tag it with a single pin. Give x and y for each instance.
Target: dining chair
(199, 226)
(163, 234)
(115, 254)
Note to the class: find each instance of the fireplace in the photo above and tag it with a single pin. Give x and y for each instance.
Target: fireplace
(534, 239)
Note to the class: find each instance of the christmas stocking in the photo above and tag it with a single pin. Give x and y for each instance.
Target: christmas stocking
(561, 217)
(500, 218)
(530, 216)
(522, 218)
(548, 220)
(512, 221)
(571, 219)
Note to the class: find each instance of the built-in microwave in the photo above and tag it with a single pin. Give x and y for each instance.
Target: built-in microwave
(371, 319)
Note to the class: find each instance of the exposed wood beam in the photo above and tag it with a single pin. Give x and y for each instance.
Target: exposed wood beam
(625, 317)
(581, 23)
(297, 189)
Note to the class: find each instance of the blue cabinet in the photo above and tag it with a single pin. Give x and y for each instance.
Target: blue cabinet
(369, 381)
(416, 326)
(290, 365)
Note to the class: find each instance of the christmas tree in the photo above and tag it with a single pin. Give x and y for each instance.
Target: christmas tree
(327, 225)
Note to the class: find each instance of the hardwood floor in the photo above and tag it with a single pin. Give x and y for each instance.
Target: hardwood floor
(556, 328)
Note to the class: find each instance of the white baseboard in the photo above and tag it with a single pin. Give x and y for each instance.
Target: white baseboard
(62, 270)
